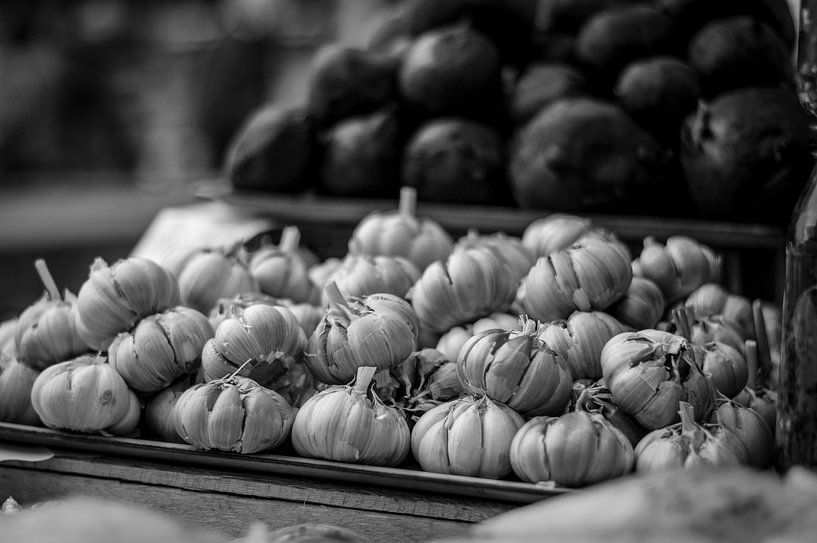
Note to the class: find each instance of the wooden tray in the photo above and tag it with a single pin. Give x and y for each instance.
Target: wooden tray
(396, 478)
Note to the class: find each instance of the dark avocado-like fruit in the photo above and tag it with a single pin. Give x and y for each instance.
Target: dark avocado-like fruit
(273, 151)
(457, 161)
(658, 93)
(615, 37)
(452, 71)
(739, 52)
(587, 155)
(745, 155)
(542, 84)
(568, 16)
(689, 16)
(347, 82)
(508, 24)
(361, 157)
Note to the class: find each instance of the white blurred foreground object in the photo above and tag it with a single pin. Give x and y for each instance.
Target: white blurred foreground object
(86, 520)
(734, 505)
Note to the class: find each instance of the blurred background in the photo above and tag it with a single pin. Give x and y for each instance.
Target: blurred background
(109, 109)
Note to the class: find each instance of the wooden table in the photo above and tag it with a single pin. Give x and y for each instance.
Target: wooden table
(228, 492)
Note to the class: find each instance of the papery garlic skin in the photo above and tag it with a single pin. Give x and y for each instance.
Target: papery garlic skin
(641, 307)
(161, 348)
(46, 333)
(361, 275)
(283, 274)
(748, 425)
(160, 415)
(16, 382)
(378, 330)
(470, 284)
(209, 275)
(579, 340)
(84, 394)
(558, 231)
(689, 445)
(713, 299)
(344, 425)
(678, 267)
(590, 275)
(234, 415)
(507, 248)
(726, 367)
(114, 298)
(575, 449)
(468, 436)
(516, 368)
(650, 371)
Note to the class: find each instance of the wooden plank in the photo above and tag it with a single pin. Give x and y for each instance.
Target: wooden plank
(229, 514)
(277, 487)
(311, 209)
(399, 478)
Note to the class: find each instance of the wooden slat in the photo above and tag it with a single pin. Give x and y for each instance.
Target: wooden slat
(345, 211)
(414, 480)
(267, 486)
(228, 514)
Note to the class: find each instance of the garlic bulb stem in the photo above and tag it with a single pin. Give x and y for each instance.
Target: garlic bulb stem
(290, 239)
(334, 294)
(408, 202)
(47, 279)
(682, 322)
(764, 354)
(750, 349)
(363, 378)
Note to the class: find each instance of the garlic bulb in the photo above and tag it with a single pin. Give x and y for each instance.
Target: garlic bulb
(558, 231)
(351, 424)
(160, 414)
(161, 348)
(642, 305)
(211, 274)
(689, 445)
(468, 436)
(470, 284)
(46, 331)
(726, 368)
(308, 315)
(360, 275)
(402, 233)
(589, 275)
(575, 449)
(516, 368)
(16, 381)
(378, 330)
(424, 380)
(750, 428)
(451, 341)
(678, 267)
(509, 249)
(650, 371)
(114, 298)
(261, 342)
(233, 414)
(85, 394)
(717, 328)
(596, 398)
(579, 340)
(713, 299)
(283, 271)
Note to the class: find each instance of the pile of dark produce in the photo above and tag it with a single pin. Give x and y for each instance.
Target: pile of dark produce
(662, 107)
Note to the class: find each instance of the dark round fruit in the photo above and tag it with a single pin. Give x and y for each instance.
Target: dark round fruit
(739, 52)
(347, 82)
(273, 151)
(585, 155)
(658, 93)
(452, 71)
(745, 155)
(362, 157)
(615, 37)
(542, 84)
(457, 161)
